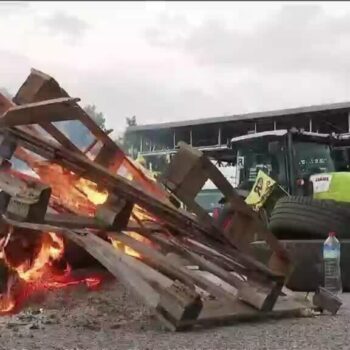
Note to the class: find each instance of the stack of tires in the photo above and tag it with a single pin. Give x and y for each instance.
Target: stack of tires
(302, 224)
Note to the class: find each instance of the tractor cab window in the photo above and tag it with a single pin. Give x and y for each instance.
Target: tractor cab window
(254, 156)
(312, 158)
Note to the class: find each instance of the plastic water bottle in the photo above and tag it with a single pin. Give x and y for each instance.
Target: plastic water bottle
(331, 259)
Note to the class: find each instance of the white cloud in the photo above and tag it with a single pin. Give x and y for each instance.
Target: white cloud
(64, 24)
(163, 61)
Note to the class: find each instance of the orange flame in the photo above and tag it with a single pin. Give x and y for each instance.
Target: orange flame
(41, 273)
(78, 194)
(52, 248)
(127, 250)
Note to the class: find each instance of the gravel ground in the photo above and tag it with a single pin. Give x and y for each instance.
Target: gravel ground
(110, 318)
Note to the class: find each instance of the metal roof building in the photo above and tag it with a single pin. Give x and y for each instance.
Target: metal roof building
(213, 134)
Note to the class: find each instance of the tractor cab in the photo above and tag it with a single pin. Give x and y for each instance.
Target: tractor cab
(341, 152)
(289, 157)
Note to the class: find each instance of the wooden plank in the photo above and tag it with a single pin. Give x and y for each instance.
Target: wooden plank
(218, 314)
(215, 269)
(221, 260)
(147, 227)
(261, 296)
(325, 300)
(158, 260)
(59, 109)
(38, 87)
(181, 272)
(73, 221)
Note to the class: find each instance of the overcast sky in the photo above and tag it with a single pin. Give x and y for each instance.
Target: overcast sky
(164, 61)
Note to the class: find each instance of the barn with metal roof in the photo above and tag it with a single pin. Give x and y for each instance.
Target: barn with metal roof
(212, 134)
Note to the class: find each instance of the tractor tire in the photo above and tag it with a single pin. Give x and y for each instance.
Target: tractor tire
(307, 218)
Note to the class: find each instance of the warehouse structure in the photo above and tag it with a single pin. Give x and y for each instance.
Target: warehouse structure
(155, 142)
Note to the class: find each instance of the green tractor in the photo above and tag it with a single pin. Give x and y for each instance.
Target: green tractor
(304, 167)
(311, 196)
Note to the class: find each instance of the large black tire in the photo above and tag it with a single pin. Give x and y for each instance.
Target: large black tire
(303, 217)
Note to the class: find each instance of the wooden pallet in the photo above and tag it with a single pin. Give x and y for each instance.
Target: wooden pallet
(192, 272)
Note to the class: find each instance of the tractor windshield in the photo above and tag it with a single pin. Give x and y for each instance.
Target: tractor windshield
(271, 156)
(312, 158)
(254, 155)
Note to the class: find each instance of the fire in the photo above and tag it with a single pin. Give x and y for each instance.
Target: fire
(35, 268)
(52, 249)
(75, 193)
(36, 260)
(82, 195)
(127, 250)
(90, 189)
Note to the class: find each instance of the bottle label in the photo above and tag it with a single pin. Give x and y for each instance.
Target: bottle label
(329, 253)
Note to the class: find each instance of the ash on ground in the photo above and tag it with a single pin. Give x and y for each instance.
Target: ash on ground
(110, 318)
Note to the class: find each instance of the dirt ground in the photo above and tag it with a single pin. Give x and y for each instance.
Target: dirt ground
(74, 318)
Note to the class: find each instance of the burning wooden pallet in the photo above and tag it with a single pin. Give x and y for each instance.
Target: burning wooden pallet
(185, 267)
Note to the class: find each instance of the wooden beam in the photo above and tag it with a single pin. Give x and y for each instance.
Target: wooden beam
(59, 109)
(38, 87)
(73, 221)
(218, 313)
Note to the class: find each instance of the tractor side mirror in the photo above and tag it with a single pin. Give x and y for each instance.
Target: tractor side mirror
(274, 147)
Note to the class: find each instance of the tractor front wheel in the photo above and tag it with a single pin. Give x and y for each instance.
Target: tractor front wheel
(307, 218)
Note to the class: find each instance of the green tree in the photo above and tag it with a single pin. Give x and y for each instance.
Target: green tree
(131, 121)
(98, 117)
(125, 141)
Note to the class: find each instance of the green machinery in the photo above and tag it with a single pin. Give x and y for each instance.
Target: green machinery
(302, 163)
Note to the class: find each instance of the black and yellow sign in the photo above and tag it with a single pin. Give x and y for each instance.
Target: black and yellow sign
(261, 190)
